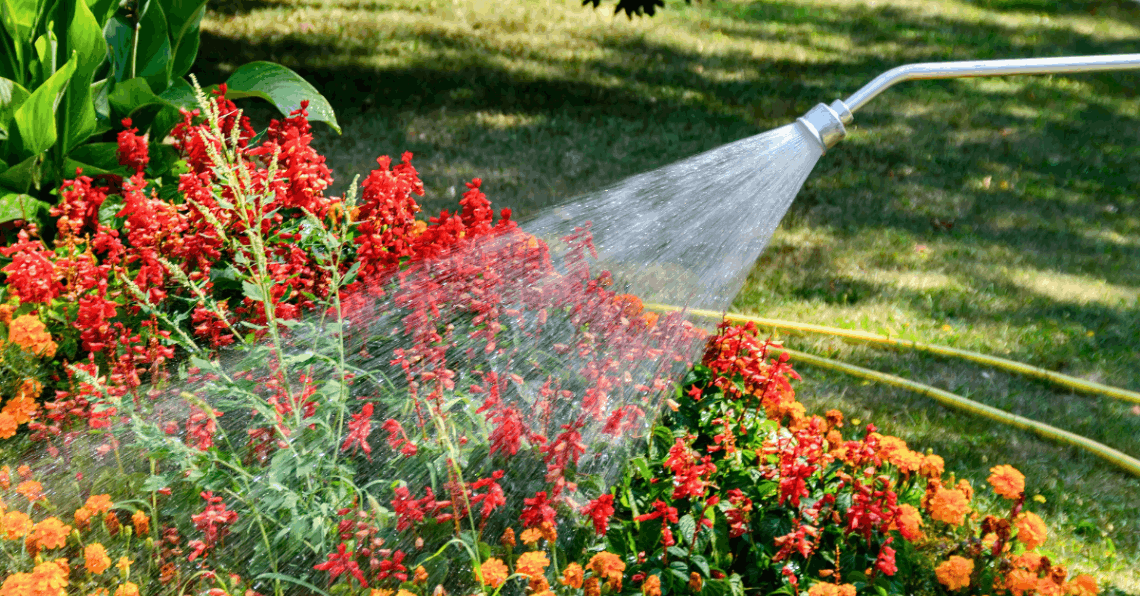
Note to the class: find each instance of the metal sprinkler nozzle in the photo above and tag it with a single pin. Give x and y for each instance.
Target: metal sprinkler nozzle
(825, 123)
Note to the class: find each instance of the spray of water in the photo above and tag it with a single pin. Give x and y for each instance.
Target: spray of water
(687, 234)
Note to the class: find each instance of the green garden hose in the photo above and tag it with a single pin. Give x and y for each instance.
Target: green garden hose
(958, 402)
(1013, 366)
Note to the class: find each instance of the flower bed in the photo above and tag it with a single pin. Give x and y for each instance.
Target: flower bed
(195, 371)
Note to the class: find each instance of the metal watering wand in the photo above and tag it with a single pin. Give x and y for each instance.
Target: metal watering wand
(825, 124)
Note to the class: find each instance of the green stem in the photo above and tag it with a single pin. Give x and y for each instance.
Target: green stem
(135, 41)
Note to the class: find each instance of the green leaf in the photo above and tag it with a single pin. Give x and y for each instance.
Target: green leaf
(35, 120)
(12, 96)
(130, 95)
(251, 291)
(117, 33)
(687, 526)
(104, 156)
(103, 9)
(18, 17)
(15, 206)
(20, 176)
(153, 483)
(85, 39)
(701, 564)
(153, 56)
(281, 87)
(184, 18)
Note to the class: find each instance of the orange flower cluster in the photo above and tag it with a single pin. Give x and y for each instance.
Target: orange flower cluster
(825, 589)
(1007, 482)
(955, 573)
(46, 579)
(947, 505)
(572, 576)
(494, 572)
(1032, 573)
(609, 567)
(28, 332)
(36, 573)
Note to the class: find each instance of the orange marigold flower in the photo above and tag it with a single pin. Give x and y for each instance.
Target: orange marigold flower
(141, 523)
(548, 532)
(572, 576)
(99, 503)
(50, 533)
(23, 406)
(696, 582)
(539, 585)
(95, 558)
(1020, 581)
(826, 589)
(592, 587)
(28, 332)
(25, 471)
(124, 565)
(82, 517)
(5, 478)
(964, 486)
(609, 567)
(494, 572)
(32, 490)
(910, 523)
(127, 589)
(1031, 530)
(48, 579)
(932, 466)
(421, 575)
(508, 539)
(530, 536)
(630, 305)
(1047, 587)
(1082, 585)
(1029, 561)
(15, 525)
(8, 425)
(949, 505)
(651, 586)
(955, 572)
(532, 564)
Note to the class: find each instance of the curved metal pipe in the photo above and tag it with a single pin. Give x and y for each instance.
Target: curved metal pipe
(825, 123)
(989, 68)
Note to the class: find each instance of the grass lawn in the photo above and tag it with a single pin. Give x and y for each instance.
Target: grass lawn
(998, 215)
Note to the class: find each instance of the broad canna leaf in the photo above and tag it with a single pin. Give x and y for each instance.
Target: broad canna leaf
(183, 19)
(153, 54)
(103, 9)
(153, 62)
(129, 95)
(18, 17)
(20, 176)
(34, 122)
(12, 96)
(15, 206)
(85, 38)
(281, 87)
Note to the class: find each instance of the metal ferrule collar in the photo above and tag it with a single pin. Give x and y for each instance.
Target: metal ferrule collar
(824, 123)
